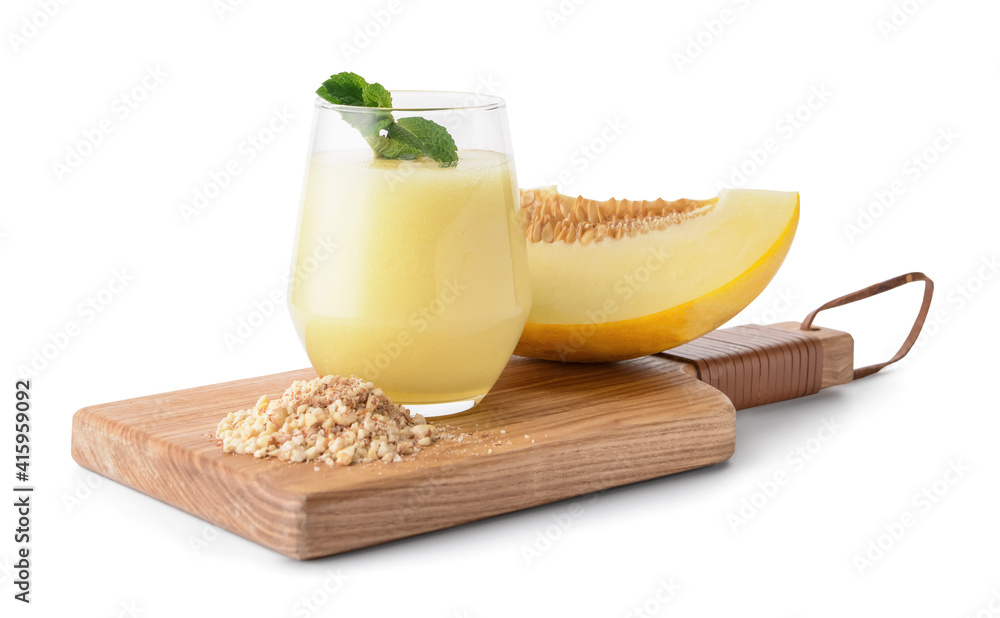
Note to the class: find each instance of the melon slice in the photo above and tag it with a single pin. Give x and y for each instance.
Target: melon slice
(621, 279)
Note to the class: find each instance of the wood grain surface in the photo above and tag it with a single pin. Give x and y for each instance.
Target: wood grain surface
(838, 352)
(546, 432)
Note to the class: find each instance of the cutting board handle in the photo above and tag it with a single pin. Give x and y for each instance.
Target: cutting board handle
(874, 290)
(754, 365)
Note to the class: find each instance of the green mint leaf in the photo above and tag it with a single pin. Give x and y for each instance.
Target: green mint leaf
(409, 138)
(426, 136)
(374, 95)
(386, 148)
(352, 89)
(370, 124)
(344, 89)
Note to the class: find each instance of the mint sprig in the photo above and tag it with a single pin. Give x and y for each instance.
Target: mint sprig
(344, 89)
(406, 138)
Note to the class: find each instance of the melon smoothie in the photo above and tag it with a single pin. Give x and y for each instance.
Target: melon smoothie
(409, 268)
(424, 290)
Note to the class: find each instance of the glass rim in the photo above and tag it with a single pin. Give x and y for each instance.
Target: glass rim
(490, 102)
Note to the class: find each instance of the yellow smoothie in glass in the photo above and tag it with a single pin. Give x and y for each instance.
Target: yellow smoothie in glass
(411, 275)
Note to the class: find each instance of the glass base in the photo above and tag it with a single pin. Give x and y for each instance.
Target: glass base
(431, 410)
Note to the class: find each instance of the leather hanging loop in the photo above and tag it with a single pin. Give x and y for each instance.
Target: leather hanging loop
(874, 290)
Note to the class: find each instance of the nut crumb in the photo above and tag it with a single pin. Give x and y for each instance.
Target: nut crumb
(331, 419)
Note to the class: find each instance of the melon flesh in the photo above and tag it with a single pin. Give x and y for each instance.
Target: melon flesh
(667, 283)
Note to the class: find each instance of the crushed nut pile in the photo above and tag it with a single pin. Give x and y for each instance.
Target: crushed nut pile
(331, 419)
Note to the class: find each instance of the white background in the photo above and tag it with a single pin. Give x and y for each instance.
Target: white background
(701, 87)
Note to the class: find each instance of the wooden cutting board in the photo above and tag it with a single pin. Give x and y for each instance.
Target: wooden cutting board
(547, 431)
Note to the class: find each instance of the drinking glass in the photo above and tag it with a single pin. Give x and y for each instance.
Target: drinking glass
(407, 273)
